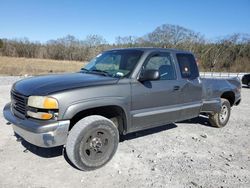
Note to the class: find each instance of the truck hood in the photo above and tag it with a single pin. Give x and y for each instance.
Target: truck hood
(45, 85)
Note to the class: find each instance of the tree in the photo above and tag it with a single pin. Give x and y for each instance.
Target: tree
(1, 43)
(173, 35)
(94, 40)
(128, 41)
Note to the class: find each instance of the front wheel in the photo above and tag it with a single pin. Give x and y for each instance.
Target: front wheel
(220, 119)
(92, 142)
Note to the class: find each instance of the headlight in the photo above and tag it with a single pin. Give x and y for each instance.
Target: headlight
(42, 107)
(42, 102)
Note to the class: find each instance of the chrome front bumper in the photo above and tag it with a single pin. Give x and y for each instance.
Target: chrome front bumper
(39, 133)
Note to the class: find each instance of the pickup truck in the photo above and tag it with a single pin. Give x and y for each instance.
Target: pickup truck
(118, 92)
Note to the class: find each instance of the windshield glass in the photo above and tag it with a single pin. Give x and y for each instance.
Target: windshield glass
(118, 63)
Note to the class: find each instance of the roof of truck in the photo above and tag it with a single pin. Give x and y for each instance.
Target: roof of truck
(152, 49)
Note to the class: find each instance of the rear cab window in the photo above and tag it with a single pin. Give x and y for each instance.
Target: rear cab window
(187, 65)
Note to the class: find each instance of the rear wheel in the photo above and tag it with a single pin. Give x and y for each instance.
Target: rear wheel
(92, 142)
(220, 119)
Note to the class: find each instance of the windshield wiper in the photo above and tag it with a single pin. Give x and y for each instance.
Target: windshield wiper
(83, 69)
(102, 72)
(96, 71)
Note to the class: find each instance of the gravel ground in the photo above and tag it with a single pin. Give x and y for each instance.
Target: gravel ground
(186, 154)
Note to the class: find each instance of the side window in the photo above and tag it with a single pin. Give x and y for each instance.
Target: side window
(188, 66)
(162, 62)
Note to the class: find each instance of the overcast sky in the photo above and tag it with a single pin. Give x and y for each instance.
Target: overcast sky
(41, 20)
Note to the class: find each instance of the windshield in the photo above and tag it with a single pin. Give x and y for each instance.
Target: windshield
(118, 63)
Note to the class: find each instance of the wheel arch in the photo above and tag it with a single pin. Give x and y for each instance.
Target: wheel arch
(230, 96)
(114, 112)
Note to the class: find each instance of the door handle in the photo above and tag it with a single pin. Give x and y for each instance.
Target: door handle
(176, 88)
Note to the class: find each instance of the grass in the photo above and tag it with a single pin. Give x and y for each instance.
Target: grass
(28, 66)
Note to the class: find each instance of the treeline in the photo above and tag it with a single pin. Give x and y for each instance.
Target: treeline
(230, 53)
(66, 48)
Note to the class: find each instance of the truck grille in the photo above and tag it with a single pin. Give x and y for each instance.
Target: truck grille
(18, 102)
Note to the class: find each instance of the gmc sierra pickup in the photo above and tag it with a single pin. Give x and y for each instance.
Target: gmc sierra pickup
(120, 91)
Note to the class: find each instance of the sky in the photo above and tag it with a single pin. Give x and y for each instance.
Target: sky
(42, 20)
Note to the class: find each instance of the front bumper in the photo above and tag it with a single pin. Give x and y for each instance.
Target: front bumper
(40, 133)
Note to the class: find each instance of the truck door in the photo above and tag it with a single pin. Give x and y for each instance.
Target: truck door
(191, 92)
(156, 102)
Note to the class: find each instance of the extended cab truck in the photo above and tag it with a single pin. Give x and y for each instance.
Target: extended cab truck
(118, 92)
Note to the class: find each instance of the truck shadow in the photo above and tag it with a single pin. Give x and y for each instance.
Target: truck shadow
(45, 152)
(202, 120)
(58, 151)
(146, 132)
(42, 152)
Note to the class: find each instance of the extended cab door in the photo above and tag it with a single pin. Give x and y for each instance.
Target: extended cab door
(191, 91)
(156, 102)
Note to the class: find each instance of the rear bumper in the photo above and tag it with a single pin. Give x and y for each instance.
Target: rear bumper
(42, 134)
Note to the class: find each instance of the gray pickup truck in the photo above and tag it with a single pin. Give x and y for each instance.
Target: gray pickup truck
(120, 91)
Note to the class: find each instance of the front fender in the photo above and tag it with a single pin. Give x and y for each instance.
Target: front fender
(79, 106)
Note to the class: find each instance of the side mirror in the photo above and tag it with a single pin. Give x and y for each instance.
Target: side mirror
(148, 75)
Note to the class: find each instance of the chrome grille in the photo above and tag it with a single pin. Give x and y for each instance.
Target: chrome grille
(18, 102)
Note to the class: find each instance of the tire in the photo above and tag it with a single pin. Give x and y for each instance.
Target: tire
(92, 142)
(220, 119)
